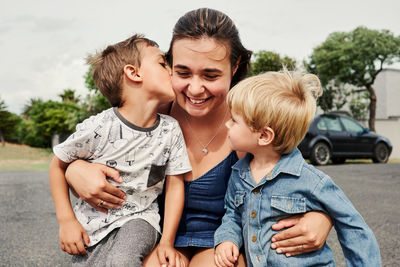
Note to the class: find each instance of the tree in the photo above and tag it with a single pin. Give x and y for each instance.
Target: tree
(270, 61)
(44, 119)
(356, 58)
(30, 105)
(3, 117)
(8, 124)
(68, 95)
(95, 102)
(334, 97)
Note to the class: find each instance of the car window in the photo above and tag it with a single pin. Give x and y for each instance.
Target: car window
(321, 125)
(352, 126)
(333, 124)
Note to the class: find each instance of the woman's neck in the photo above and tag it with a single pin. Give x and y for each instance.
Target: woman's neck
(203, 132)
(211, 120)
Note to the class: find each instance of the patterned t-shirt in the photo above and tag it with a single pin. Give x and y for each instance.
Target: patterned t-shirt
(143, 156)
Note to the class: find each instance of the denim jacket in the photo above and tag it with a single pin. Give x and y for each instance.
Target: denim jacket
(292, 187)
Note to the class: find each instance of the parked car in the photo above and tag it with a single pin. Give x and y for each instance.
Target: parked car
(338, 137)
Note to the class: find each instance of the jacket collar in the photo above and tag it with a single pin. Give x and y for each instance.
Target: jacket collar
(291, 163)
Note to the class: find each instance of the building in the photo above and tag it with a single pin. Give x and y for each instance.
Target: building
(387, 123)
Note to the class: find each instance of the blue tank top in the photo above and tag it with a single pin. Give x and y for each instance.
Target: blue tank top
(204, 206)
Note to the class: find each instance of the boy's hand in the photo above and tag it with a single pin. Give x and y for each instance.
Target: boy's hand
(169, 256)
(72, 236)
(226, 254)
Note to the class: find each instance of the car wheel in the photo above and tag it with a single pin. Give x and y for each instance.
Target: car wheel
(338, 160)
(381, 153)
(320, 154)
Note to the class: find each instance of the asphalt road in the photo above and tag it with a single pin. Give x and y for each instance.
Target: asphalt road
(29, 230)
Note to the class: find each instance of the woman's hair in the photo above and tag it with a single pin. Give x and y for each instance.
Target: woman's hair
(206, 22)
(108, 66)
(284, 101)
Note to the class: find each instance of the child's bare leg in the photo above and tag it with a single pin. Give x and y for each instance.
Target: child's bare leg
(205, 257)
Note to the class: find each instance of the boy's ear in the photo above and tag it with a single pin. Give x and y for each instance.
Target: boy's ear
(132, 73)
(266, 137)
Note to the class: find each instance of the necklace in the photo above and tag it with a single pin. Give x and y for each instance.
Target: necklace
(204, 150)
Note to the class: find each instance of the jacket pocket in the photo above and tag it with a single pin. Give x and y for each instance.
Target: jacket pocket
(239, 198)
(287, 205)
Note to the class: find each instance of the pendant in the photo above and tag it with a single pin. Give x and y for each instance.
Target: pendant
(205, 150)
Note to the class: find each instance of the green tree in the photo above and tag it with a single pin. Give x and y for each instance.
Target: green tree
(270, 61)
(30, 105)
(95, 102)
(46, 118)
(356, 58)
(334, 96)
(359, 104)
(69, 95)
(8, 124)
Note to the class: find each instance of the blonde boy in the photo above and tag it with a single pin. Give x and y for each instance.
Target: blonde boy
(271, 113)
(139, 143)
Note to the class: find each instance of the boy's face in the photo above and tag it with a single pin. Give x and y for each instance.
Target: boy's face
(156, 74)
(241, 137)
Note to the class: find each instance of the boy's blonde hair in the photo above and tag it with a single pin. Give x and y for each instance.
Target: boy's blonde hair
(284, 101)
(108, 66)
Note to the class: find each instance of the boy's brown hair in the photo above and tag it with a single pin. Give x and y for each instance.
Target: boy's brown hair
(108, 66)
(284, 101)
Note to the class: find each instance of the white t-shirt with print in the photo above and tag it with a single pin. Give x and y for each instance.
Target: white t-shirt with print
(143, 156)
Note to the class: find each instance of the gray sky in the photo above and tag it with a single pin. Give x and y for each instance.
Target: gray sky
(43, 43)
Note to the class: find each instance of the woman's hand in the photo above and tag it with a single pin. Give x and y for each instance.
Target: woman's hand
(89, 182)
(307, 232)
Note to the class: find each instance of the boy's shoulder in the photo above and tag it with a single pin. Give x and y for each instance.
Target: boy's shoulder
(315, 174)
(101, 118)
(167, 120)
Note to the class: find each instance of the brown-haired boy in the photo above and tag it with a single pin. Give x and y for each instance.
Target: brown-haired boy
(142, 145)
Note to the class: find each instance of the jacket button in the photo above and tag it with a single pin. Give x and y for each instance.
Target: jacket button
(237, 202)
(253, 214)
(255, 191)
(254, 238)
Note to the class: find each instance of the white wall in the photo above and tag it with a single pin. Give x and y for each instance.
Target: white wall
(390, 128)
(387, 123)
(387, 89)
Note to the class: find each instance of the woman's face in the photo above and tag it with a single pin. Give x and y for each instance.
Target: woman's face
(201, 75)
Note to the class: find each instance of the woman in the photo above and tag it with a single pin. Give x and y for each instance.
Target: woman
(207, 59)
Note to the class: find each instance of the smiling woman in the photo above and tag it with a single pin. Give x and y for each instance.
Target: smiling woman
(207, 59)
(202, 76)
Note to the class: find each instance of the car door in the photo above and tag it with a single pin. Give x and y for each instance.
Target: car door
(360, 142)
(336, 135)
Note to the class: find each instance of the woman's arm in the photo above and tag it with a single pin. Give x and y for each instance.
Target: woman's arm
(307, 232)
(89, 182)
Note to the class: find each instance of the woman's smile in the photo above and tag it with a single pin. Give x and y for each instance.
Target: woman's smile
(197, 101)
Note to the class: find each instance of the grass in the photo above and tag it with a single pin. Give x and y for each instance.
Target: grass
(23, 157)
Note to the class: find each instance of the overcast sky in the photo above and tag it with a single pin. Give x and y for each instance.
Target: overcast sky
(43, 43)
